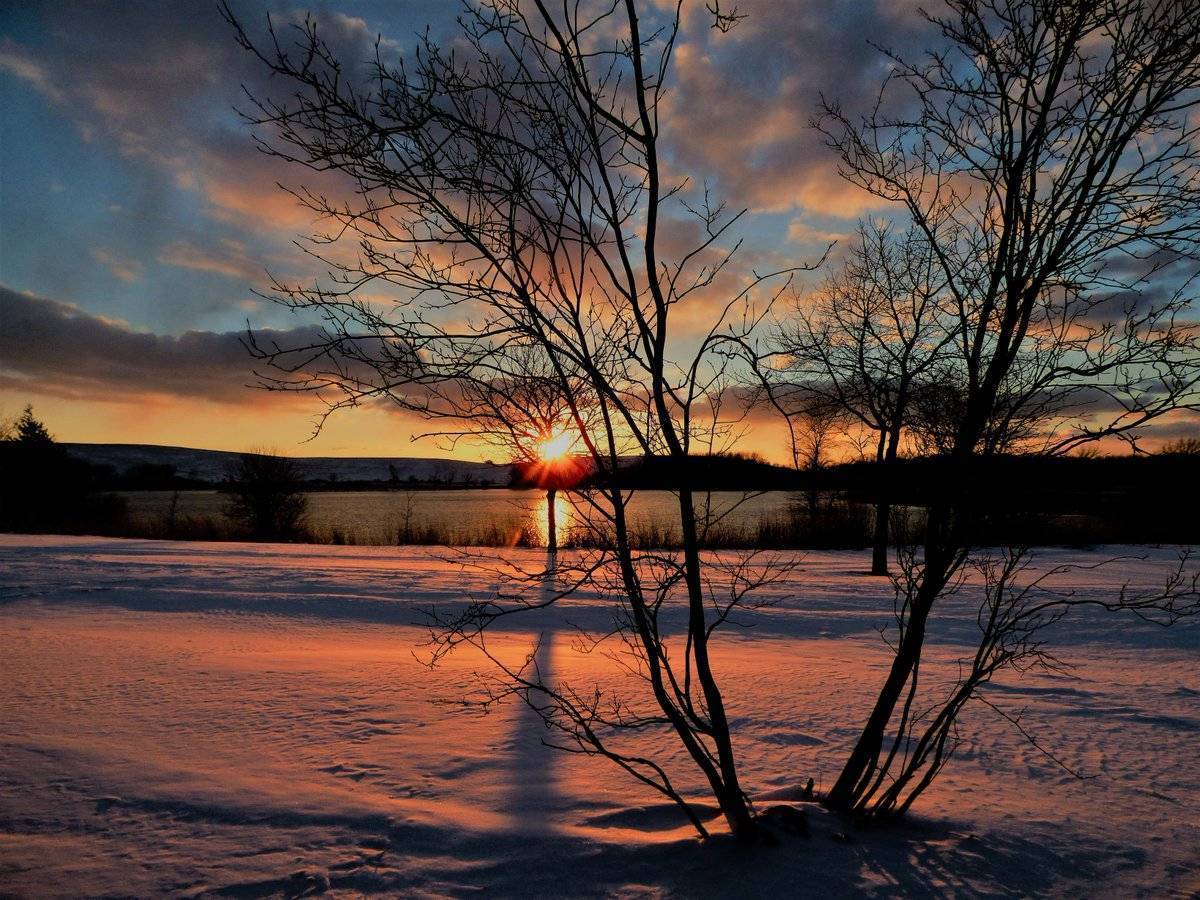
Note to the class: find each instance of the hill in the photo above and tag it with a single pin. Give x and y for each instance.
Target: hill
(209, 466)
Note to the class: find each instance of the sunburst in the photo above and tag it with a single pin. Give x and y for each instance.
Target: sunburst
(555, 445)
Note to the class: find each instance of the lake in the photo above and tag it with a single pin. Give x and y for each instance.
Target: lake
(374, 517)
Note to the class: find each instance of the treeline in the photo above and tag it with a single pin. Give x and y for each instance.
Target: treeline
(1024, 499)
(43, 488)
(166, 477)
(703, 472)
(1161, 485)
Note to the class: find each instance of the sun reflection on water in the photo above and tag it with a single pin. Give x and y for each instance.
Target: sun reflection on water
(564, 512)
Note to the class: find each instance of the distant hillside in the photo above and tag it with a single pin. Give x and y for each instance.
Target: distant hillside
(210, 465)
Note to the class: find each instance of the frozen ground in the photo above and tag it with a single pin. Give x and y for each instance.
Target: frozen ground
(250, 720)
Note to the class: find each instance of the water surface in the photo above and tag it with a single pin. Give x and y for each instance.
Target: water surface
(377, 517)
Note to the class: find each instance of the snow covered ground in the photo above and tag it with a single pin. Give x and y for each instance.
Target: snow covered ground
(254, 720)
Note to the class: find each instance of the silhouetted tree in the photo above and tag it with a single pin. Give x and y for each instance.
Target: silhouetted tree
(43, 488)
(1051, 165)
(1017, 608)
(31, 432)
(511, 190)
(1184, 446)
(814, 421)
(866, 344)
(519, 412)
(265, 496)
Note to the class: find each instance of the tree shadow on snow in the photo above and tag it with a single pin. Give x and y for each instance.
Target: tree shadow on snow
(913, 859)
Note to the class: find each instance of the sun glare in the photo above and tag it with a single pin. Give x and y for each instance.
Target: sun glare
(556, 445)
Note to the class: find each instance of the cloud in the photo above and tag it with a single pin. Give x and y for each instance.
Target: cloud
(166, 96)
(801, 232)
(125, 269)
(98, 379)
(56, 348)
(228, 257)
(742, 102)
(16, 61)
(738, 109)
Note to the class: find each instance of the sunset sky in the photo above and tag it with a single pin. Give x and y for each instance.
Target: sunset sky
(137, 216)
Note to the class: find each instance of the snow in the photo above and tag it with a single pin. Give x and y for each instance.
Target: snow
(256, 720)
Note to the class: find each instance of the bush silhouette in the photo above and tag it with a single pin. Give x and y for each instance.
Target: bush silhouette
(265, 497)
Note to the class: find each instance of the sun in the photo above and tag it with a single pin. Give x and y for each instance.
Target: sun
(555, 445)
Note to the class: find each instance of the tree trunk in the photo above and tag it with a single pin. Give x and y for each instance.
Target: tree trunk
(879, 546)
(856, 775)
(857, 772)
(885, 455)
(551, 521)
(733, 800)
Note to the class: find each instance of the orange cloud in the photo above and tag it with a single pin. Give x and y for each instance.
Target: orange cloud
(230, 259)
(125, 269)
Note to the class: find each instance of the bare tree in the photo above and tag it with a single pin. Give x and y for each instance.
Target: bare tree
(1051, 165)
(522, 414)
(817, 422)
(814, 423)
(264, 495)
(867, 344)
(1184, 446)
(1017, 611)
(509, 194)
(938, 406)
